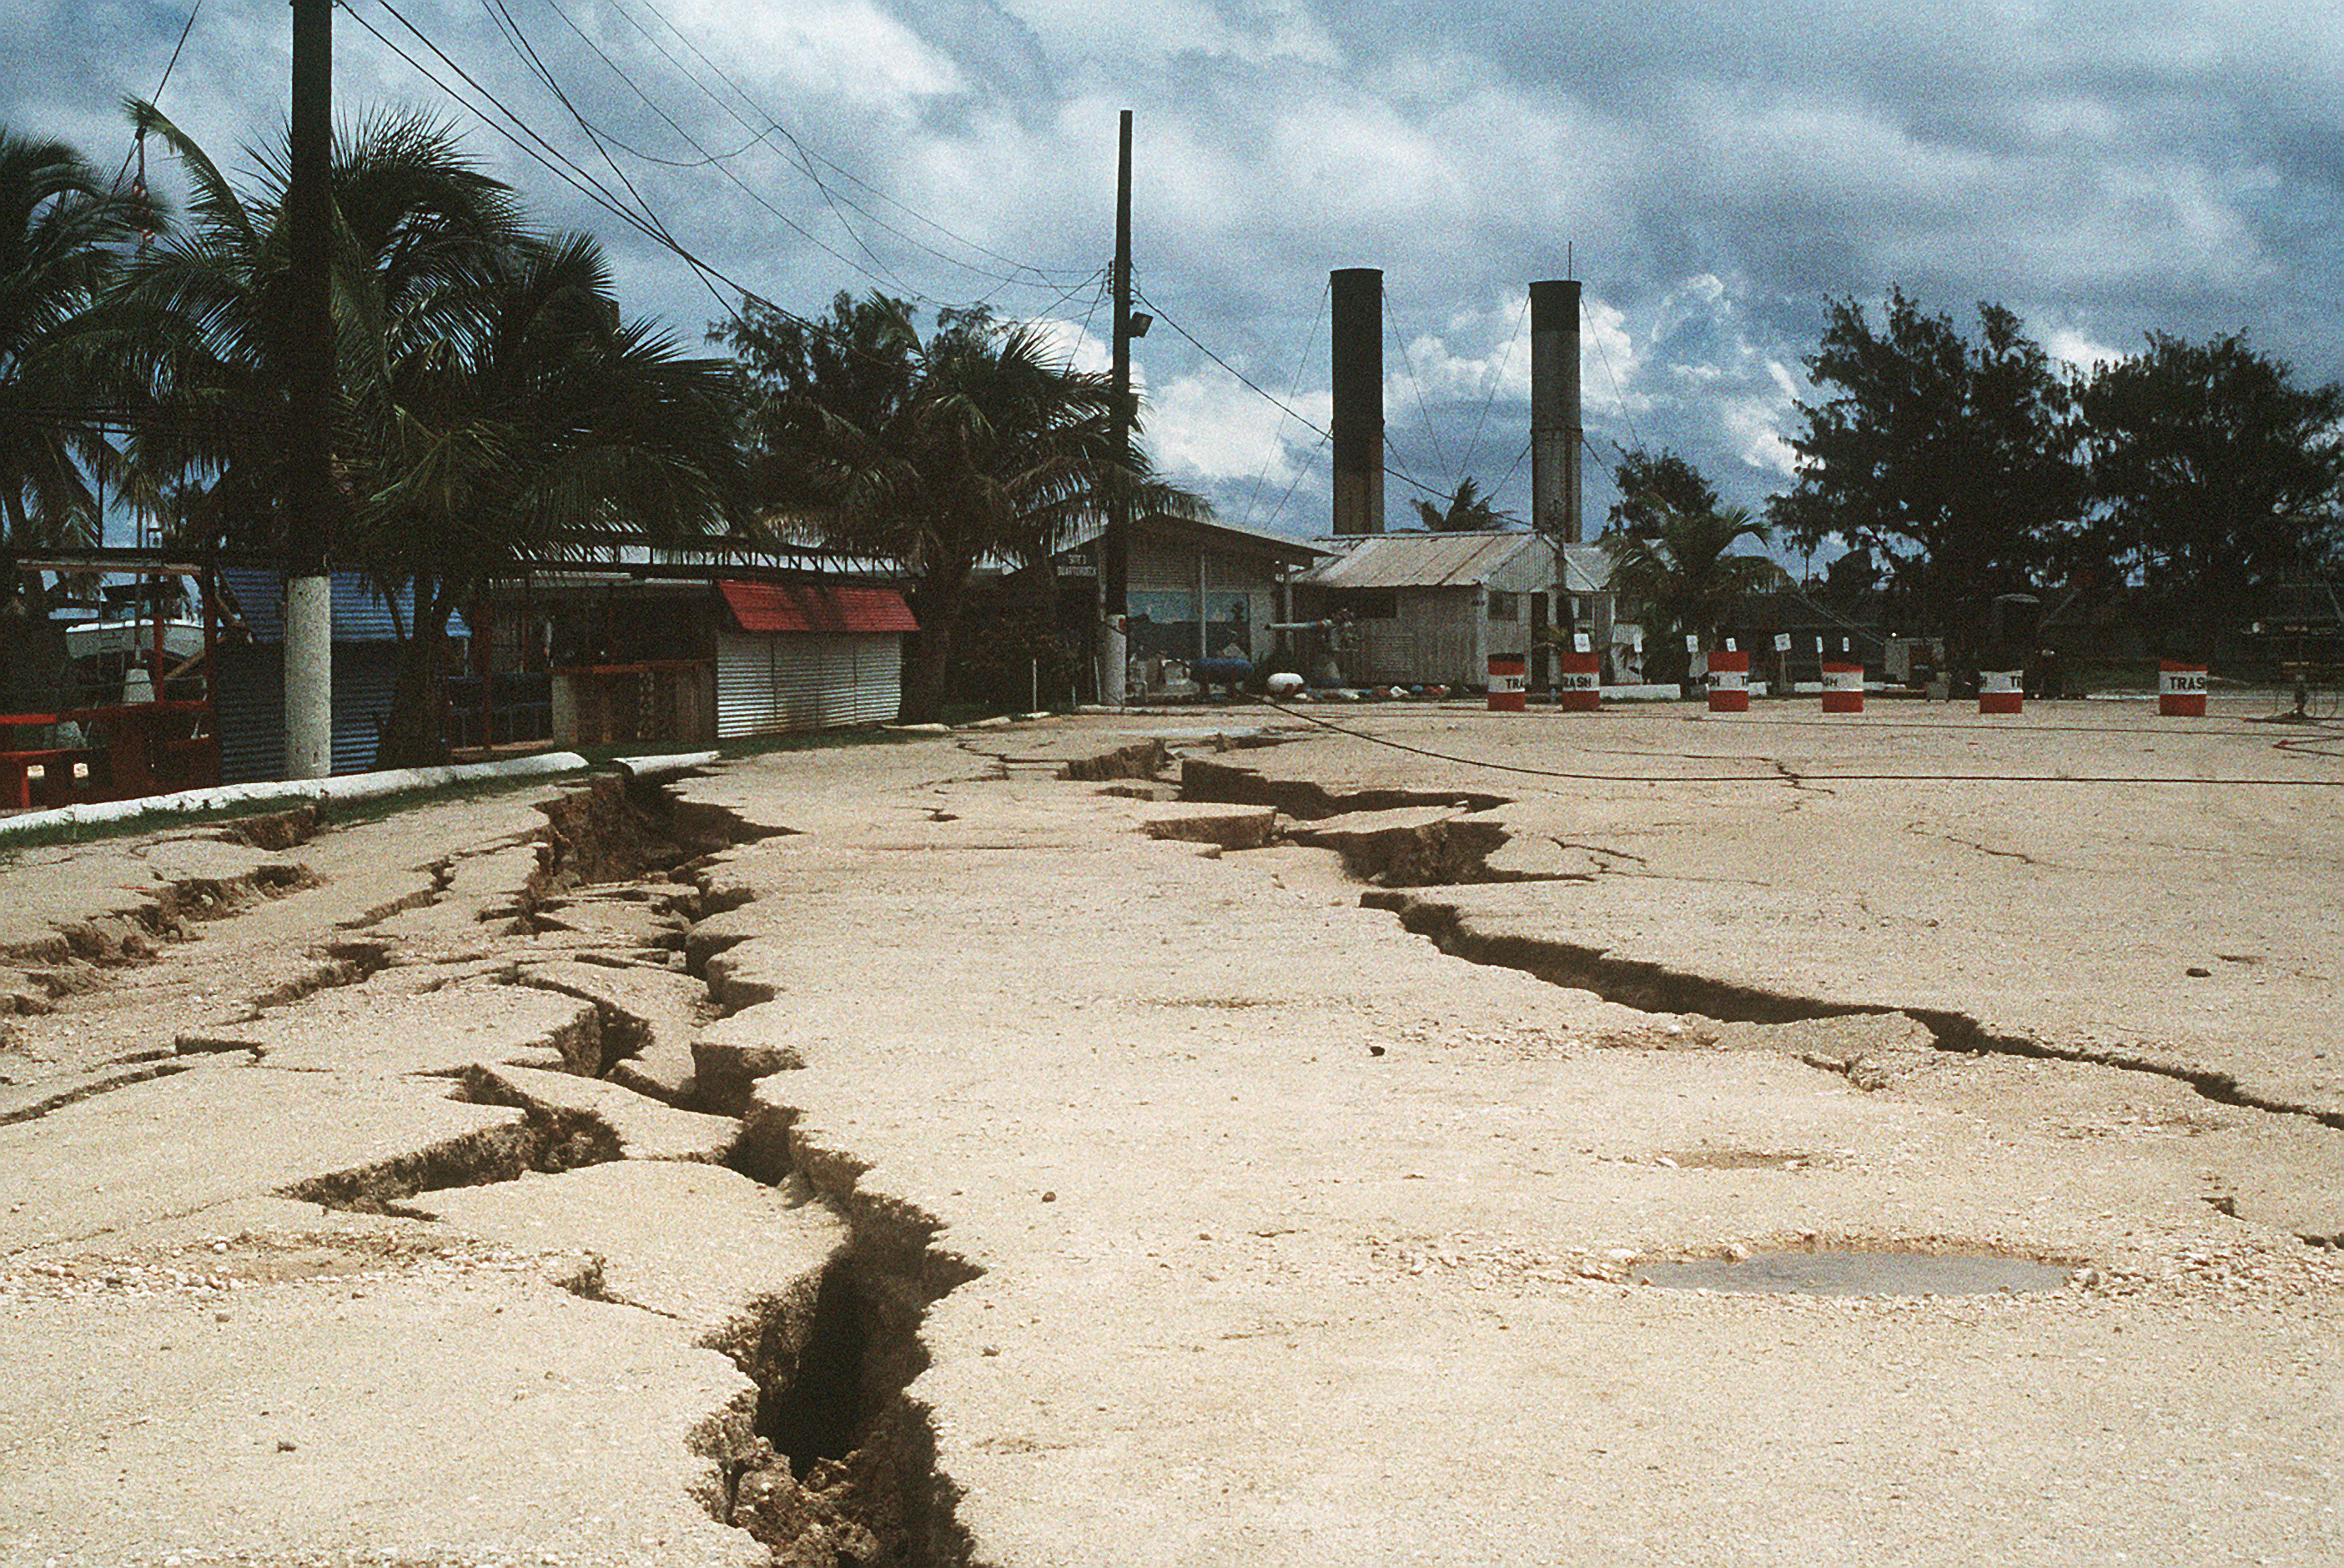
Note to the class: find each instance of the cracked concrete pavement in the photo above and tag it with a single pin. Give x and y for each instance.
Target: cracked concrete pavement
(1227, 1198)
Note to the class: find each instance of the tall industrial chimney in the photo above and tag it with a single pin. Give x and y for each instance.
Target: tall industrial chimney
(1359, 376)
(1555, 436)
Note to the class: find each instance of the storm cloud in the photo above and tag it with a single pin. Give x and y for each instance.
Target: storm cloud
(1714, 172)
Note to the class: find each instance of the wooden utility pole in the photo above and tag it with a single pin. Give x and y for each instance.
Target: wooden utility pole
(310, 494)
(1114, 557)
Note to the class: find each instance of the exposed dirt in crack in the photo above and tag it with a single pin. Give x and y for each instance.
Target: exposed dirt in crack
(1306, 802)
(1657, 989)
(542, 1140)
(837, 1464)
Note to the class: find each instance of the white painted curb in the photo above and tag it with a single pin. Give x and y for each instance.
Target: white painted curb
(661, 766)
(348, 787)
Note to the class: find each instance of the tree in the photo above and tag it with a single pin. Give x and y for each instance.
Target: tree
(1466, 511)
(1954, 461)
(62, 228)
(491, 404)
(1682, 577)
(970, 444)
(2214, 473)
(1651, 485)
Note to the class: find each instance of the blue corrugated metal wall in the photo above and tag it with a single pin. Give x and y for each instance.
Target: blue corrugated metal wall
(250, 691)
(360, 614)
(251, 709)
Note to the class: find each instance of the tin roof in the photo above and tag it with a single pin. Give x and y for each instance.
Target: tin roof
(1419, 559)
(1225, 536)
(817, 607)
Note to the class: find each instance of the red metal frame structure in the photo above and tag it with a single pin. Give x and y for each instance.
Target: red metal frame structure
(130, 749)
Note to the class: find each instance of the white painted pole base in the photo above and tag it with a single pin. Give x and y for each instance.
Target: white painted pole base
(309, 677)
(1114, 651)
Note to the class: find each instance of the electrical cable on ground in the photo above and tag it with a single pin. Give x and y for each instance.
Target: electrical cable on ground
(1783, 775)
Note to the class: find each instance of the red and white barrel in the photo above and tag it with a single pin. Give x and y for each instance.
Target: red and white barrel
(2180, 690)
(1576, 681)
(1728, 681)
(1507, 693)
(1843, 688)
(1999, 690)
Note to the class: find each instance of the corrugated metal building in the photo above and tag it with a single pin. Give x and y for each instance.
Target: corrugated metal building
(250, 690)
(1427, 608)
(808, 656)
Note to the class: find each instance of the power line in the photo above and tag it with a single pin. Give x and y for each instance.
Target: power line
(1309, 340)
(170, 65)
(1041, 277)
(1248, 381)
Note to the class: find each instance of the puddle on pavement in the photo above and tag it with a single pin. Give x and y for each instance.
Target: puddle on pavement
(1855, 1274)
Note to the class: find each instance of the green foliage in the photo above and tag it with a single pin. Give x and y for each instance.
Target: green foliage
(1954, 461)
(62, 230)
(1466, 511)
(2215, 474)
(1009, 660)
(1651, 485)
(974, 443)
(1682, 578)
(490, 402)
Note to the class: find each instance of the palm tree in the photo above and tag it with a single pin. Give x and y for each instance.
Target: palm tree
(61, 229)
(975, 443)
(491, 404)
(537, 421)
(1466, 511)
(1680, 575)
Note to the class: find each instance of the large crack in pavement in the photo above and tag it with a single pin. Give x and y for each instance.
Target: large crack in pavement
(826, 1460)
(1437, 850)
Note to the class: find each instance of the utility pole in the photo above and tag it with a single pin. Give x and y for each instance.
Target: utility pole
(1114, 560)
(310, 494)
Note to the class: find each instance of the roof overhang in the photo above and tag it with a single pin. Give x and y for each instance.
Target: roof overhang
(816, 607)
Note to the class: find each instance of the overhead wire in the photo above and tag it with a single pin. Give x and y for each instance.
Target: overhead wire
(1309, 340)
(1269, 397)
(1041, 277)
(535, 64)
(139, 140)
(524, 137)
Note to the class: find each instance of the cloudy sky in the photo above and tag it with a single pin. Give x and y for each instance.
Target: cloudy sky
(1713, 172)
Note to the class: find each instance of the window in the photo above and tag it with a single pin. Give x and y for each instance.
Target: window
(1371, 604)
(1505, 606)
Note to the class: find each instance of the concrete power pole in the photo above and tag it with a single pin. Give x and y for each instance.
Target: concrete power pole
(309, 495)
(1555, 433)
(1359, 376)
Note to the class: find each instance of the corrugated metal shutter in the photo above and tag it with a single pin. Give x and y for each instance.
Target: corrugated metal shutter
(768, 685)
(249, 714)
(364, 678)
(744, 685)
(250, 710)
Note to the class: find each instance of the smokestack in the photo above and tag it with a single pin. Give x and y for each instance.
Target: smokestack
(1555, 436)
(1358, 398)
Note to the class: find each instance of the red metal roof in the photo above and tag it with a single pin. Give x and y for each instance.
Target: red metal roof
(817, 607)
